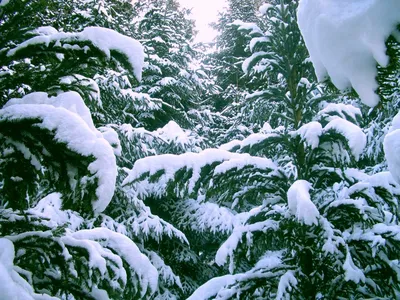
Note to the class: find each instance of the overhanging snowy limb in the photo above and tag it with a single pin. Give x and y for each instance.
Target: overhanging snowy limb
(61, 126)
(13, 285)
(103, 39)
(152, 175)
(392, 146)
(346, 40)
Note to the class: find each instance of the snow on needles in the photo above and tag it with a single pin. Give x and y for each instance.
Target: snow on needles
(12, 285)
(300, 204)
(356, 138)
(211, 287)
(264, 8)
(391, 146)
(346, 39)
(170, 164)
(126, 249)
(103, 38)
(4, 2)
(68, 116)
(310, 133)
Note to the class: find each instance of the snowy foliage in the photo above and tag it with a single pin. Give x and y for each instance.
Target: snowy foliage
(106, 40)
(61, 163)
(227, 172)
(66, 121)
(325, 229)
(335, 35)
(391, 146)
(14, 286)
(300, 204)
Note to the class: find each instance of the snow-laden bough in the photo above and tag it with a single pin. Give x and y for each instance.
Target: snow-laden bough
(104, 39)
(70, 119)
(346, 40)
(300, 204)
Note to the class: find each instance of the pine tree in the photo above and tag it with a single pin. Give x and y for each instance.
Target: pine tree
(304, 217)
(231, 50)
(378, 120)
(68, 229)
(104, 195)
(167, 33)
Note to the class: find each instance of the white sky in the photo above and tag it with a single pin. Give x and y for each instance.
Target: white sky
(204, 12)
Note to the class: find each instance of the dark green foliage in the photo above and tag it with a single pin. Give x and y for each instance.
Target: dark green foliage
(315, 225)
(65, 244)
(295, 202)
(166, 34)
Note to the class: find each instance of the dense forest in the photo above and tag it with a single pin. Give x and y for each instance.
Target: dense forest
(136, 163)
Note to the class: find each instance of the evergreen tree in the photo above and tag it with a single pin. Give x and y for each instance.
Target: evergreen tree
(378, 120)
(304, 217)
(231, 50)
(167, 33)
(104, 195)
(68, 229)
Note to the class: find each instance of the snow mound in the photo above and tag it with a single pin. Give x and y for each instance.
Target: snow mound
(251, 27)
(50, 210)
(12, 285)
(391, 146)
(353, 273)
(300, 204)
(264, 8)
(173, 132)
(256, 40)
(212, 287)
(169, 164)
(340, 109)
(86, 82)
(244, 160)
(310, 133)
(224, 287)
(346, 39)
(228, 248)
(266, 128)
(231, 145)
(208, 216)
(71, 101)
(111, 136)
(105, 39)
(126, 249)
(69, 118)
(354, 135)
(45, 30)
(286, 283)
(249, 60)
(251, 140)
